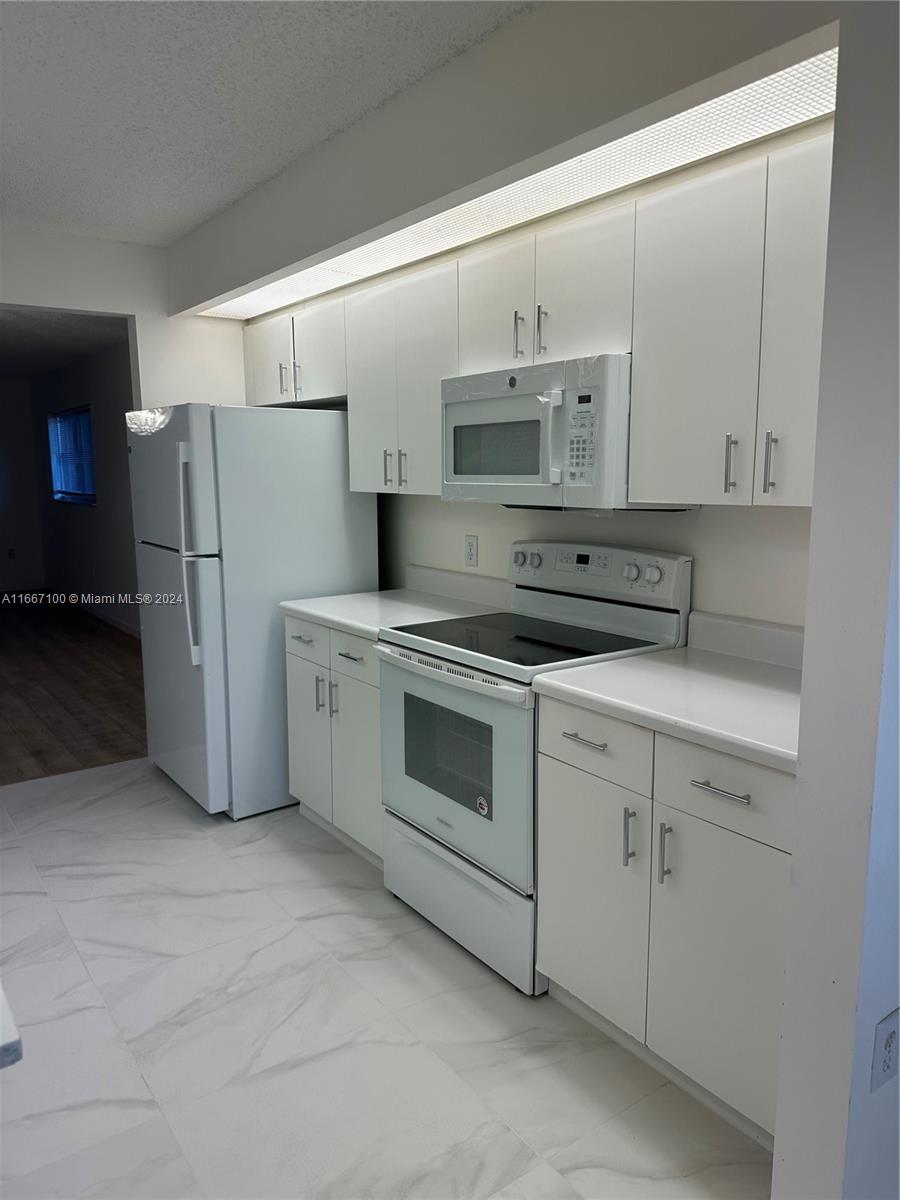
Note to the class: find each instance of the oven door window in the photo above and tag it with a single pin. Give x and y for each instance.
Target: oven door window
(500, 448)
(449, 753)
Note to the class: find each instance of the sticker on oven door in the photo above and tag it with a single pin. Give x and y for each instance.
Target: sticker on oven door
(482, 805)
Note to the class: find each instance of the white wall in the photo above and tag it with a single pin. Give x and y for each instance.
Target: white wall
(747, 562)
(853, 529)
(496, 113)
(178, 359)
(91, 548)
(20, 515)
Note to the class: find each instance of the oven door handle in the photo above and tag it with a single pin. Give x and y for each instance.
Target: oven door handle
(449, 673)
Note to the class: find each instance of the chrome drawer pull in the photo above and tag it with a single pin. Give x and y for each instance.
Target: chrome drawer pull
(627, 852)
(320, 702)
(662, 869)
(583, 741)
(706, 786)
(298, 637)
(352, 657)
(332, 698)
(768, 481)
(730, 443)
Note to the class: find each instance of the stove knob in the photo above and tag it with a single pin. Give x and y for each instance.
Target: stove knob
(653, 574)
(632, 572)
(519, 558)
(535, 559)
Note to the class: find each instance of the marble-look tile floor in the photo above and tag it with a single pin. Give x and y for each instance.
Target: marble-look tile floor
(218, 1009)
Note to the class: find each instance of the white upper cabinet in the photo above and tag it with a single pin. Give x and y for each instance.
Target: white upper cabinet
(695, 371)
(584, 286)
(320, 351)
(372, 389)
(496, 306)
(268, 361)
(793, 300)
(427, 351)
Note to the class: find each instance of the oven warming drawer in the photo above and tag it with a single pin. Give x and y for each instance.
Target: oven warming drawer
(489, 919)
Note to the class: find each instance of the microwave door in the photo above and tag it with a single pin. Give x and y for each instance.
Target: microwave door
(505, 449)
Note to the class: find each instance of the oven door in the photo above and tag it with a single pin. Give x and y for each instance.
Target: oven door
(457, 760)
(504, 448)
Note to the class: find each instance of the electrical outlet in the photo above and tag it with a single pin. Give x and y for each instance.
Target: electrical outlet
(886, 1050)
(471, 550)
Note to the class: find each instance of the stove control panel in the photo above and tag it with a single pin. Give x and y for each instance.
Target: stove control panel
(653, 577)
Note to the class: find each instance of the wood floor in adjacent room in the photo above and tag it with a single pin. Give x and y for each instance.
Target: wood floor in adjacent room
(71, 693)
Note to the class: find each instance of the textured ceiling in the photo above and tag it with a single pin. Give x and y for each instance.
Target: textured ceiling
(35, 340)
(136, 121)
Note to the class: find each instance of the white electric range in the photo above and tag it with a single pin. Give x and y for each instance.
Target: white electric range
(458, 731)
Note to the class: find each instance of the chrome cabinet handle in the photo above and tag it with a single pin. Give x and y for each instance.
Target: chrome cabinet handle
(539, 329)
(517, 318)
(730, 443)
(332, 698)
(768, 481)
(320, 702)
(352, 657)
(627, 852)
(387, 457)
(298, 637)
(583, 741)
(296, 373)
(282, 386)
(706, 786)
(401, 463)
(662, 869)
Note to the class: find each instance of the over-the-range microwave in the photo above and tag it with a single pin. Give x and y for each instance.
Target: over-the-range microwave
(552, 435)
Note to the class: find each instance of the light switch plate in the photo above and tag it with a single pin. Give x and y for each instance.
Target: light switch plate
(471, 550)
(886, 1050)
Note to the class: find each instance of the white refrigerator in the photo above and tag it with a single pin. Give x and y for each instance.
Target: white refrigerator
(234, 510)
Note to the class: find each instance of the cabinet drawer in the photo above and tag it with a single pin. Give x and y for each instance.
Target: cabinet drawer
(769, 814)
(566, 731)
(306, 640)
(354, 656)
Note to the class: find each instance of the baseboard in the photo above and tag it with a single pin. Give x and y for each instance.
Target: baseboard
(342, 837)
(743, 1124)
(122, 626)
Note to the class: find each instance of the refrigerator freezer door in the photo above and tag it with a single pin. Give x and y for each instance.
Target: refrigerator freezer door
(173, 494)
(184, 672)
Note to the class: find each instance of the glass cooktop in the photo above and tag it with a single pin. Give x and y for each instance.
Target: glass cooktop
(527, 641)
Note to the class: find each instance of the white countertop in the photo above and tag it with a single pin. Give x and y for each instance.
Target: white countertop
(737, 705)
(364, 613)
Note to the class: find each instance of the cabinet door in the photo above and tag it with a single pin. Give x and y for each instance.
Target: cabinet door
(496, 306)
(793, 300)
(584, 272)
(427, 350)
(268, 358)
(593, 909)
(717, 960)
(320, 351)
(356, 760)
(372, 390)
(695, 372)
(309, 735)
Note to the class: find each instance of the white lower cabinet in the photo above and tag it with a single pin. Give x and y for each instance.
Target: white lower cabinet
(717, 959)
(594, 891)
(356, 761)
(309, 735)
(334, 730)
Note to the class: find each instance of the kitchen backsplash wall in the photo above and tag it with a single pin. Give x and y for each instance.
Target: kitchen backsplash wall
(748, 562)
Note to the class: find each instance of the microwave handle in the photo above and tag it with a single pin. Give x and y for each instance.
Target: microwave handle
(552, 400)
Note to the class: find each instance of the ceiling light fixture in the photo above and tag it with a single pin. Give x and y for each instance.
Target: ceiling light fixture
(794, 96)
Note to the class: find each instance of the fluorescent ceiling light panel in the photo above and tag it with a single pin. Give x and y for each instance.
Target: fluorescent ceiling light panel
(794, 96)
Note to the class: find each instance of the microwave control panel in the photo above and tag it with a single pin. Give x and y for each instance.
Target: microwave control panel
(583, 419)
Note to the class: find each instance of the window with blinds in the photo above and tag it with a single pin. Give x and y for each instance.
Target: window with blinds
(72, 456)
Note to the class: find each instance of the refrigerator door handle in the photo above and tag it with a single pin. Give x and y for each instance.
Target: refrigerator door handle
(184, 458)
(196, 657)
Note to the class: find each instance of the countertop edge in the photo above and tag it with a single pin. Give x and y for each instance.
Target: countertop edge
(712, 739)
